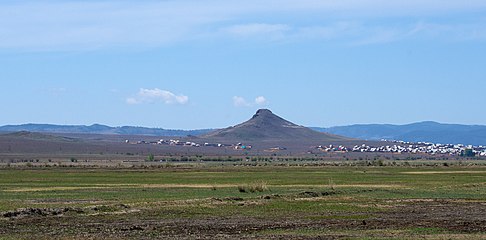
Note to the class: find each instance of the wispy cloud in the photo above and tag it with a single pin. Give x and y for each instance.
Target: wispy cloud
(67, 25)
(56, 91)
(157, 95)
(260, 30)
(242, 102)
(367, 35)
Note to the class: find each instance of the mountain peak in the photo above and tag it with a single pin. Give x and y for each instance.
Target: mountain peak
(266, 125)
(263, 111)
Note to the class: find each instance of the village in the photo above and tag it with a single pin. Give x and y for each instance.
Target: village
(396, 147)
(177, 142)
(410, 147)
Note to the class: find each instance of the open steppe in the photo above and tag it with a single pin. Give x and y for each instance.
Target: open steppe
(266, 178)
(227, 200)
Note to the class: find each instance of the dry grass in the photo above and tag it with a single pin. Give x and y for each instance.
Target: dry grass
(445, 172)
(253, 187)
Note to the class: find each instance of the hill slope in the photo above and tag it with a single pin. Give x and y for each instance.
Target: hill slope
(100, 129)
(415, 132)
(36, 136)
(265, 125)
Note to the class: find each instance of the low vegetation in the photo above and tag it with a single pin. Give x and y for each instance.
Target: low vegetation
(228, 201)
(253, 187)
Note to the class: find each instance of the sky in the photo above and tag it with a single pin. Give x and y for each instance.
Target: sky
(192, 64)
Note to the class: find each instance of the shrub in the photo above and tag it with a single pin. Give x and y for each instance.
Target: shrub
(253, 187)
(331, 184)
(241, 188)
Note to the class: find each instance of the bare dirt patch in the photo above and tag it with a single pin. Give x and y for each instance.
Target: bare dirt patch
(452, 218)
(30, 212)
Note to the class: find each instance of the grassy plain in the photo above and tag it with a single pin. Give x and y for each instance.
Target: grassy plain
(210, 201)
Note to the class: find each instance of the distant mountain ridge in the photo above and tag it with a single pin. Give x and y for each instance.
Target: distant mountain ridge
(416, 132)
(101, 129)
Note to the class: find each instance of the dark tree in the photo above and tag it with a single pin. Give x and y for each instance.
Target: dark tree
(468, 153)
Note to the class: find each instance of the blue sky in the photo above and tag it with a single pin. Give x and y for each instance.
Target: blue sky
(208, 64)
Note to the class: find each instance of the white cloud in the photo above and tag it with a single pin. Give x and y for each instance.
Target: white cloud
(261, 100)
(157, 95)
(132, 101)
(242, 102)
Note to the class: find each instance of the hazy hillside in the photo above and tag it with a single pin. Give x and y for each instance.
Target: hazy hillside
(101, 129)
(260, 127)
(36, 136)
(415, 132)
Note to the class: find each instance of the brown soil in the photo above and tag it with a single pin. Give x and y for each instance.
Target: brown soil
(453, 217)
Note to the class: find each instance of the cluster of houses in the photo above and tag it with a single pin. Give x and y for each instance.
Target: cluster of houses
(409, 147)
(176, 142)
(397, 147)
(170, 142)
(241, 146)
(275, 149)
(332, 148)
(215, 145)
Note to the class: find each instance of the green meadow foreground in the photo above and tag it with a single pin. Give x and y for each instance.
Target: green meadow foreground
(214, 202)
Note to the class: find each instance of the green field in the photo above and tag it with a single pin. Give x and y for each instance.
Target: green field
(244, 202)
